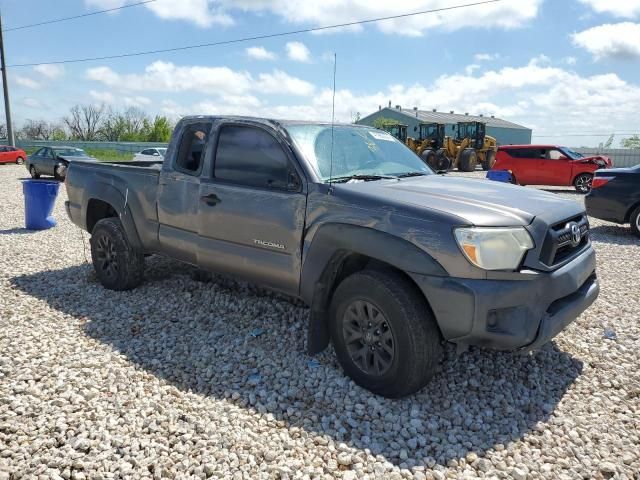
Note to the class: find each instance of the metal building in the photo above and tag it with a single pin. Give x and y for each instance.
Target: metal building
(506, 133)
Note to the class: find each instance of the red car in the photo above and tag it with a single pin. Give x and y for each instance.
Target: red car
(12, 155)
(549, 165)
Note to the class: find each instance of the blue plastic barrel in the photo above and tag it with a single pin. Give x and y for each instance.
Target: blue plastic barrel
(499, 176)
(39, 199)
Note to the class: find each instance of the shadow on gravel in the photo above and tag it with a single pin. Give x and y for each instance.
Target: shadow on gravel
(560, 190)
(614, 234)
(202, 337)
(16, 231)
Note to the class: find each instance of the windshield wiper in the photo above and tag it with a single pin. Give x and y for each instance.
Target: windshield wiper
(366, 178)
(413, 174)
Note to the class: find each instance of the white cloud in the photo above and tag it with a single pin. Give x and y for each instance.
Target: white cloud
(469, 69)
(620, 40)
(260, 53)
(220, 81)
(137, 101)
(280, 82)
(298, 51)
(570, 60)
(31, 102)
(102, 97)
(27, 82)
(619, 8)
(49, 70)
(202, 13)
(486, 57)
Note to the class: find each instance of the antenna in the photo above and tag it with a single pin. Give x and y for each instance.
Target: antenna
(333, 117)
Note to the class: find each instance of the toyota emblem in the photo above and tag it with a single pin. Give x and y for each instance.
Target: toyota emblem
(576, 234)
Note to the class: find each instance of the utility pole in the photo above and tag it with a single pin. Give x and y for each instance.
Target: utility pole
(5, 87)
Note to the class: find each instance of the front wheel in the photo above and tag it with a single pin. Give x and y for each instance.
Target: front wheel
(60, 171)
(19, 161)
(118, 266)
(468, 160)
(635, 222)
(489, 160)
(383, 332)
(583, 183)
(33, 172)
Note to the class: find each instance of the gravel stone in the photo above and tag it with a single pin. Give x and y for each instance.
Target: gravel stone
(168, 381)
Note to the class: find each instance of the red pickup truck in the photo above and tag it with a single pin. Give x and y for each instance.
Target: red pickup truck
(549, 165)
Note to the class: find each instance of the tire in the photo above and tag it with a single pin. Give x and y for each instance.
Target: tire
(442, 161)
(583, 183)
(489, 160)
(404, 323)
(19, 161)
(33, 172)
(118, 266)
(634, 219)
(56, 172)
(468, 160)
(429, 157)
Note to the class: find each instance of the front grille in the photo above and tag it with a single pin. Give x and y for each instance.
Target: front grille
(560, 242)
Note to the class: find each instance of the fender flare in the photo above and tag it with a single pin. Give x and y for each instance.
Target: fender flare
(330, 246)
(111, 195)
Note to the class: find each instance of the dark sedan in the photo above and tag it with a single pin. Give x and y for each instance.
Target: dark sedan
(615, 196)
(54, 161)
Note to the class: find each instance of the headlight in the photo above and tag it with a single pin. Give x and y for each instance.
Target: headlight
(494, 248)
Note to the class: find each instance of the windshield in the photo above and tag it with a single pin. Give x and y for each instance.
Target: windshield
(571, 154)
(70, 152)
(356, 151)
(162, 151)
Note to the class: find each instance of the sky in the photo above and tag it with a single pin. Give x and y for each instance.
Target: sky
(568, 69)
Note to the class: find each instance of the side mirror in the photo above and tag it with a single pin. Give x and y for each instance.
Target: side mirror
(293, 181)
(156, 154)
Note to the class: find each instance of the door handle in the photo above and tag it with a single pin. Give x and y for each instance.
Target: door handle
(212, 199)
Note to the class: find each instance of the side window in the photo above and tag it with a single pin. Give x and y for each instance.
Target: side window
(48, 153)
(250, 156)
(146, 152)
(192, 147)
(41, 152)
(555, 155)
(4, 149)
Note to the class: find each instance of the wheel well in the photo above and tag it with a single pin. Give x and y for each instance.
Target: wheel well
(96, 211)
(627, 217)
(581, 173)
(342, 265)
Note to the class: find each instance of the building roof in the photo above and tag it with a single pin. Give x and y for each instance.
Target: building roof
(428, 116)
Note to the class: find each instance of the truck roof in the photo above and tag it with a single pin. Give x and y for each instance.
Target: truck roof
(271, 121)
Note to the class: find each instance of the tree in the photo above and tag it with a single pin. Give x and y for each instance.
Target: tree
(609, 142)
(41, 130)
(383, 122)
(3, 130)
(85, 121)
(160, 130)
(631, 142)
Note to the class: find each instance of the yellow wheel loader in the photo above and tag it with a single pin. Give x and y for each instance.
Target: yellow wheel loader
(430, 145)
(472, 146)
(398, 130)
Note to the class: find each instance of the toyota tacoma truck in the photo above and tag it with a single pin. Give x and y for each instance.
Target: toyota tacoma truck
(392, 258)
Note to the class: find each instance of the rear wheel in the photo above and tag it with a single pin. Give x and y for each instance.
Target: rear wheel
(429, 157)
(33, 172)
(583, 182)
(118, 266)
(635, 221)
(385, 337)
(468, 160)
(19, 160)
(489, 160)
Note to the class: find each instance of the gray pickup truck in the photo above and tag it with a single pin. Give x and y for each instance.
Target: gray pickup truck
(392, 258)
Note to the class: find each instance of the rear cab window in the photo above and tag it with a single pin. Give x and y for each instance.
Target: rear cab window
(192, 148)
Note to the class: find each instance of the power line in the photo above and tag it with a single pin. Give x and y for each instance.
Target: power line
(257, 37)
(58, 20)
(594, 134)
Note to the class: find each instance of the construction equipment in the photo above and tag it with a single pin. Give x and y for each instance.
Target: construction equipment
(430, 145)
(398, 130)
(473, 146)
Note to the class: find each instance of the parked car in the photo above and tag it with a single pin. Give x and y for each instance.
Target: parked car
(55, 161)
(392, 258)
(615, 197)
(150, 154)
(549, 165)
(12, 155)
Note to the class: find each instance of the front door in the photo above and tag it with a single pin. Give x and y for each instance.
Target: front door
(252, 209)
(178, 190)
(555, 168)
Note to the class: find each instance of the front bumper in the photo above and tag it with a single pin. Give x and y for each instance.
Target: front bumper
(512, 314)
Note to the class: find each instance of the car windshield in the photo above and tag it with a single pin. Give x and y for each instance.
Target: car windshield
(571, 154)
(70, 152)
(162, 151)
(357, 151)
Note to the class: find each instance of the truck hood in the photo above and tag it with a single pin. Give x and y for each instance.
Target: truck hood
(74, 158)
(476, 202)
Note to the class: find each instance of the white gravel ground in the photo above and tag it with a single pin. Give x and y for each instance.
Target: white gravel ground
(167, 381)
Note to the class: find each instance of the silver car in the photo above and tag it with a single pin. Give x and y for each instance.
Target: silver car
(54, 161)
